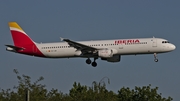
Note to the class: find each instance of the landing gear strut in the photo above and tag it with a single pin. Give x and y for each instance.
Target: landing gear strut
(155, 57)
(94, 64)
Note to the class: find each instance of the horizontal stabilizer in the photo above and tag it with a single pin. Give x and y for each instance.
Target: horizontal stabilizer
(14, 47)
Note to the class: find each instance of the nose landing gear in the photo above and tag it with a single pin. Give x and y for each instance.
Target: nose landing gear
(155, 57)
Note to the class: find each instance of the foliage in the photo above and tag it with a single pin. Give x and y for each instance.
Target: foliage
(146, 93)
(78, 92)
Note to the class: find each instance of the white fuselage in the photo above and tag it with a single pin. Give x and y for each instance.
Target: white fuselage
(119, 46)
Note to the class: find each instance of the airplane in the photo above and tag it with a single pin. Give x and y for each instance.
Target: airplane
(107, 50)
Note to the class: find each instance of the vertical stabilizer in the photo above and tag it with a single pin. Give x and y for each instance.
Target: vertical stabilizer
(22, 42)
(19, 37)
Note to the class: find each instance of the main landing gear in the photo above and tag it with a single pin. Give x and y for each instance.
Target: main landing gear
(88, 61)
(94, 64)
(155, 57)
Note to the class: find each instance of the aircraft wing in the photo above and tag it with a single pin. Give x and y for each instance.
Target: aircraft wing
(79, 46)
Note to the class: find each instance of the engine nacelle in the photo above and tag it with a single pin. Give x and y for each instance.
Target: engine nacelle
(78, 53)
(115, 58)
(105, 53)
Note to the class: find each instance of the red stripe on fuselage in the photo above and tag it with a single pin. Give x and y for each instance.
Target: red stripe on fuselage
(22, 40)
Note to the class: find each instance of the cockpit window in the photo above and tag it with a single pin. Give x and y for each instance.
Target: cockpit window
(165, 42)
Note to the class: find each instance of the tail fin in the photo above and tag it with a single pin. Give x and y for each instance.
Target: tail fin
(19, 37)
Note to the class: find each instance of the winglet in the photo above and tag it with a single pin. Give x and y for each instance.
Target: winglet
(62, 39)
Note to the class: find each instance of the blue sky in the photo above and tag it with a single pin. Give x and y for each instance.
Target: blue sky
(46, 21)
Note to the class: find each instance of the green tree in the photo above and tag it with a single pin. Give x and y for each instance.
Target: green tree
(54, 95)
(37, 91)
(95, 93)
(78, 92)
(145, 93)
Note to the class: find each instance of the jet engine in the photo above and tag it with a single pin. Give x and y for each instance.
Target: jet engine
(115, 58)
(105, 53)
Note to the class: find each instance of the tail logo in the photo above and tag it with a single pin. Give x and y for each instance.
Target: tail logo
(22, 40)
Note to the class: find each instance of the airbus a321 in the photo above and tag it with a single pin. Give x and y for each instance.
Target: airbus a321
(108, 50)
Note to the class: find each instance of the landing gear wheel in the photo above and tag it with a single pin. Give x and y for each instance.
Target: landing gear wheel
(88, 61)
(156, 60)
(155, 57)
(94, 64)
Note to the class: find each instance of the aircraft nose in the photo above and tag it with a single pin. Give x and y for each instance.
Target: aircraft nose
(173, 47)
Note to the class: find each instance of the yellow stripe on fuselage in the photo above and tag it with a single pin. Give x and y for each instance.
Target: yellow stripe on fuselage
(15, 25)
